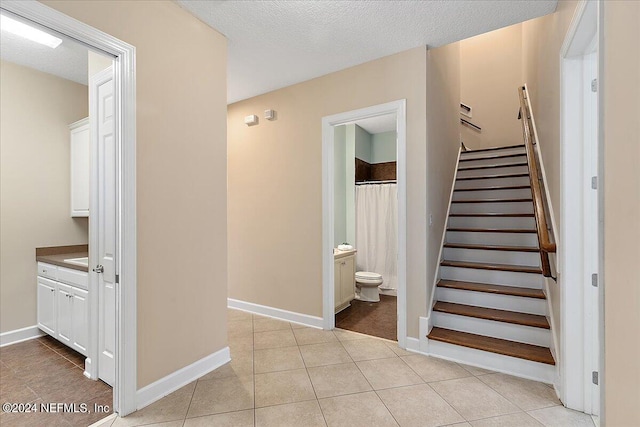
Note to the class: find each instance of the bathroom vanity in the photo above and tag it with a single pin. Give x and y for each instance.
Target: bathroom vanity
(62, 295)
(344, 281)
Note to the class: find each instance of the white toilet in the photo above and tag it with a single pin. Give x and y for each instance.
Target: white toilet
(367, 283)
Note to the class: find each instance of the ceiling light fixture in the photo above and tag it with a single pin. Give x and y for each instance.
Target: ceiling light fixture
(28, 32)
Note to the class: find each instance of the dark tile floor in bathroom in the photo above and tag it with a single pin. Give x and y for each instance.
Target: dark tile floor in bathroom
(46, 371)
(371, 318)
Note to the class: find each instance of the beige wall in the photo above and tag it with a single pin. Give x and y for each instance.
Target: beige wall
(621, 212)
(275, 183)
(35, 209)
(490, 73)
(443, 136)
(181, 176)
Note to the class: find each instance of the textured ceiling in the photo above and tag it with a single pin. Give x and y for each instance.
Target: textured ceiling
(273, 44)
(69, 60)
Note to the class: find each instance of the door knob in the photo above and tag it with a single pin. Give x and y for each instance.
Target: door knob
(99, 269)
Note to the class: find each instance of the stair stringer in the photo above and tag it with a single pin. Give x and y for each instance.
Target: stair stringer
(436, 276)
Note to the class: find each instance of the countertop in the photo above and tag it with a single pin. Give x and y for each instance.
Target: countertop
(57, 254)
(337, 254)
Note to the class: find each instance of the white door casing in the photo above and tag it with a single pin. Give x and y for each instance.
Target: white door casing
(103, 150)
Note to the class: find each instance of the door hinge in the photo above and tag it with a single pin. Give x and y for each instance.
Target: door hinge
(117, 278)
(594, 85)
(594, 377)
(594, 280)
(594, 182)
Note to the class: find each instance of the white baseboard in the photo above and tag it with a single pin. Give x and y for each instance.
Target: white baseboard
(413, 344)
(19, 335)
(276, 313)
(172, 382)
(106, 421)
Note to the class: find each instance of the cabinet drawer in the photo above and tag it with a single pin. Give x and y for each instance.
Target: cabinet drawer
(73, 277)
(47, 270)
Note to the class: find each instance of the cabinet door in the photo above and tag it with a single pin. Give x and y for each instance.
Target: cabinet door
(79, 320)
(64, 312)
(348, 273)
(47, 305)
(80, 168)
(337, 286)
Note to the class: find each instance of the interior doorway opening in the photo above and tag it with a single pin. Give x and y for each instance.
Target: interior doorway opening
(364, 221)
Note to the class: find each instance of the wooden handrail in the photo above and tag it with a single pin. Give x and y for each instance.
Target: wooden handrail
(544, 242)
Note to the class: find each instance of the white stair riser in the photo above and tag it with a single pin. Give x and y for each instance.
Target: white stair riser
(489, 300)
(508, 278)
(494, 171)
(492, 328)
(486, 182)
(482, 154)
(531, 259)
(522, 193)
(491, 162)
(502, 223)
(507, 239)
(496, 362)
(510, 207)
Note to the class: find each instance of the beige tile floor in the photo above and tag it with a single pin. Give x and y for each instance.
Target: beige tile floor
(283, 374)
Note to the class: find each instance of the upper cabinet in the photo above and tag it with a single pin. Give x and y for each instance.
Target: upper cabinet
(80, 168)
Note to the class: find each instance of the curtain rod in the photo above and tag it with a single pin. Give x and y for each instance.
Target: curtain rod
(391, 181)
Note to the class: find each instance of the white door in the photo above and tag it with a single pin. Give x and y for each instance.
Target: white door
(79, 320)
(104, 227)
(63, 315)
(591, 227)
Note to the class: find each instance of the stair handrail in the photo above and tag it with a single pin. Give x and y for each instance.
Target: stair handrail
(528, 131)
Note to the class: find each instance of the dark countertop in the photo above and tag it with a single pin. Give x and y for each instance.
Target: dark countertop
(57, 254)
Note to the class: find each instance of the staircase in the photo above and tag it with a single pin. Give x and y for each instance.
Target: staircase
(489, 306)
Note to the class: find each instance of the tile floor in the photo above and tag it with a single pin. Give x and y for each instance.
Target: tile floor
(377, 318)
(44, 370)
(284, 374)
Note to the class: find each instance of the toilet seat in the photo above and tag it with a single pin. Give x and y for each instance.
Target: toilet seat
(368, 278)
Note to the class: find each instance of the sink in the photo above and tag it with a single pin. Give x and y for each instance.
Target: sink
(84, 261)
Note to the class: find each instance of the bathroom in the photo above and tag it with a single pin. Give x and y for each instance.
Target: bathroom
(366, 226)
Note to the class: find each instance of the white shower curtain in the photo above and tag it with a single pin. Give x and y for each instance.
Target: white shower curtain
(377, 231)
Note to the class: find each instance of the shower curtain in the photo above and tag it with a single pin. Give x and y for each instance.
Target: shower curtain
(377, 231)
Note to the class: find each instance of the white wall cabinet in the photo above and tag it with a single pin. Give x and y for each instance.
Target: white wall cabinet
(344, 280)
(63, 308)
(80, 144)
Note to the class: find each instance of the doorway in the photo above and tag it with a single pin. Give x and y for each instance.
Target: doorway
(122, 222)
(331, 298)
(581, 198)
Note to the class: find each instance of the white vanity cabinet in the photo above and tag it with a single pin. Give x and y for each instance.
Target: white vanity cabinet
(344, 280)
(63, 305)
(80, 142)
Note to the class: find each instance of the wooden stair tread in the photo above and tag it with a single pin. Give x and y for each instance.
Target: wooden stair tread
(492, 201)
(497, 156)
(493, 214)
(525, 319)
(509, 175)
(494, 230)
(483, 150)
(494, 188)
(495, 267)
(507, 165)
(492, 289)
(494, 345)
(492, 247)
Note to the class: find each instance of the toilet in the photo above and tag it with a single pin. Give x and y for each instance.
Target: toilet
(367, 283)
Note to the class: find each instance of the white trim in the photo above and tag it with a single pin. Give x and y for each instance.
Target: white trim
(106, 421)
(178, 379)
(394, 107)
(125, 90)
(436, 274)
(20, 335)
(578, 303)
(276, 313)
